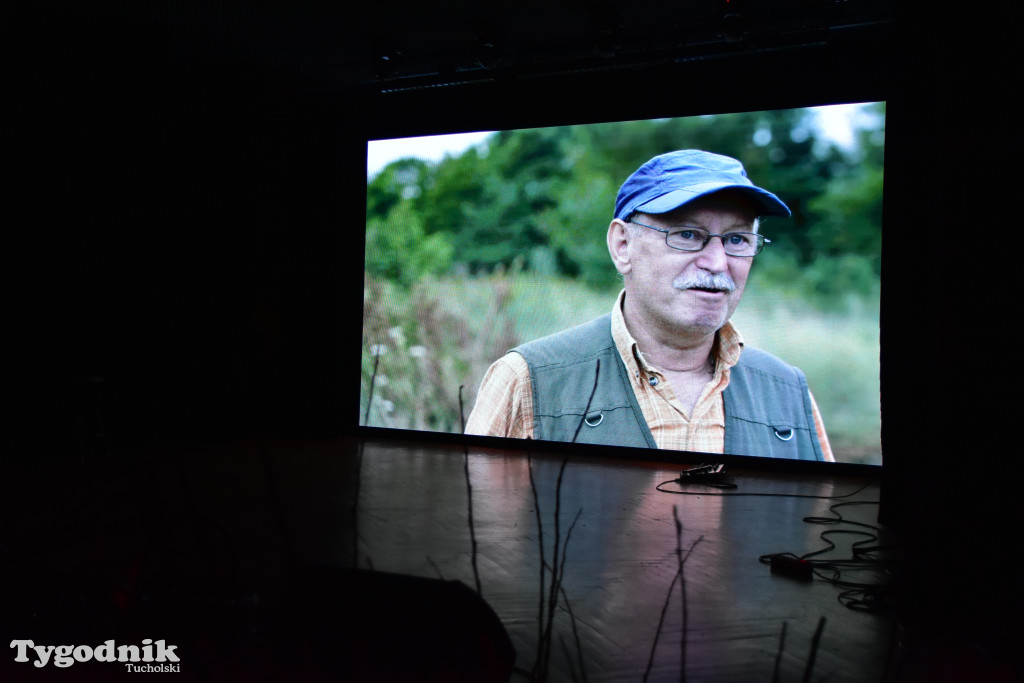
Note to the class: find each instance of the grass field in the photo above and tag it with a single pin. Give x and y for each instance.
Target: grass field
(445, 332)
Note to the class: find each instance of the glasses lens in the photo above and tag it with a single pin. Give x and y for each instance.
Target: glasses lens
(687, 239)
(742, 243)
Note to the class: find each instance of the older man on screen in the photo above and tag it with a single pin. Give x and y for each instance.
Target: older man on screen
(665, 369)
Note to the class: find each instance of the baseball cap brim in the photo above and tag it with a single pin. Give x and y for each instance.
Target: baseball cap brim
(767, 203)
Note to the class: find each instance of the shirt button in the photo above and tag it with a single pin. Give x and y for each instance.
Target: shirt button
(654, 381)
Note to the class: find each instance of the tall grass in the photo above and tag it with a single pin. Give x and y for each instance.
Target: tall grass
(444, 332)
(838, 351)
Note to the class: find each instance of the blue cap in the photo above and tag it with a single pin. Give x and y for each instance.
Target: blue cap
(668, 181)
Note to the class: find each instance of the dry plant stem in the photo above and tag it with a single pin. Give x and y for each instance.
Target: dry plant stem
(555, 579)
(682, 587)
(568, 658)
(664, 607)
(575, 633)
(661, 621)
(359, 469)
(540, 543)
(778, 655)
(436, 568)
(469, 495)
(565, 546)
(369, 400)
(814, 650)
(556, 570)
(556, 582)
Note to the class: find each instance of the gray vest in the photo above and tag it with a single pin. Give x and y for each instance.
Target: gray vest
(582, 393)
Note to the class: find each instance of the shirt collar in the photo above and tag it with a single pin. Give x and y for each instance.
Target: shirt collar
(728, 344)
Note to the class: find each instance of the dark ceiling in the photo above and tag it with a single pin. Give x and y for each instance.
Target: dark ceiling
(399, 45)
(182, 167)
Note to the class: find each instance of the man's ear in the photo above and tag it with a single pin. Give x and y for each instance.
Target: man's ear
(619, 237)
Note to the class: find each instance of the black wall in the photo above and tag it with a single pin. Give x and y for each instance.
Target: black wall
(186, 224)
(182, 240)
(179, 227)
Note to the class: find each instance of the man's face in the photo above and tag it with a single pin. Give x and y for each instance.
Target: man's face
(687, 295)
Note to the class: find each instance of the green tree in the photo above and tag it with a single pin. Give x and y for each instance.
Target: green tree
(398, 247)
(493, 203)
(544, 197)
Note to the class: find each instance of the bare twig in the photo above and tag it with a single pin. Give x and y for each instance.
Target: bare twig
(814, 650)
(373, 381)
(565, 546)
(556, 582)
(540, 543)
(436, 568)
(553, 586)
(469, 495)
(664, 607)
(682, 586)
(359, 468)
(690, 551)
(551, 589)
(568, 658)
(575, 633)
(778, 655)
(661, 621)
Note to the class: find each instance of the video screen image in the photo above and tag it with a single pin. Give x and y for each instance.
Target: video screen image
(478, 243)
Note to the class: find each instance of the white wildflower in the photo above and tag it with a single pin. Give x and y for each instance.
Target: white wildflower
(397, 335)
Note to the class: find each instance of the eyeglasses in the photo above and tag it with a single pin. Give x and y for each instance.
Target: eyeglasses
(743, 244)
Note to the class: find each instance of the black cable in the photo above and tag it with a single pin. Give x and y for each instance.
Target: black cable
(861, 559)
(862, 596)
(755, 493)
(838, 518)
(859, 595)
(832, 546)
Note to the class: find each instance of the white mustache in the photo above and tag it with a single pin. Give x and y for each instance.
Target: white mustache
(702, 280)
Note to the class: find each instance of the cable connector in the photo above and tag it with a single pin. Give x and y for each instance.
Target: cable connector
(709, 475)
(793, 567)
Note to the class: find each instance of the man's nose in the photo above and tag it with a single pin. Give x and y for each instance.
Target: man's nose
(713, 257)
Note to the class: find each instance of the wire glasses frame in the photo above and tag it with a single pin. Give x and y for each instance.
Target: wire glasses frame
(740, 244)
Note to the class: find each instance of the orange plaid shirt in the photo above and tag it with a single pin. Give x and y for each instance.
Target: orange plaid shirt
(504, 405)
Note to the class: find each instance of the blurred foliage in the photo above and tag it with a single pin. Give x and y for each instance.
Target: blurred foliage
(425, 342)
(545, 196)
(398, 247)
